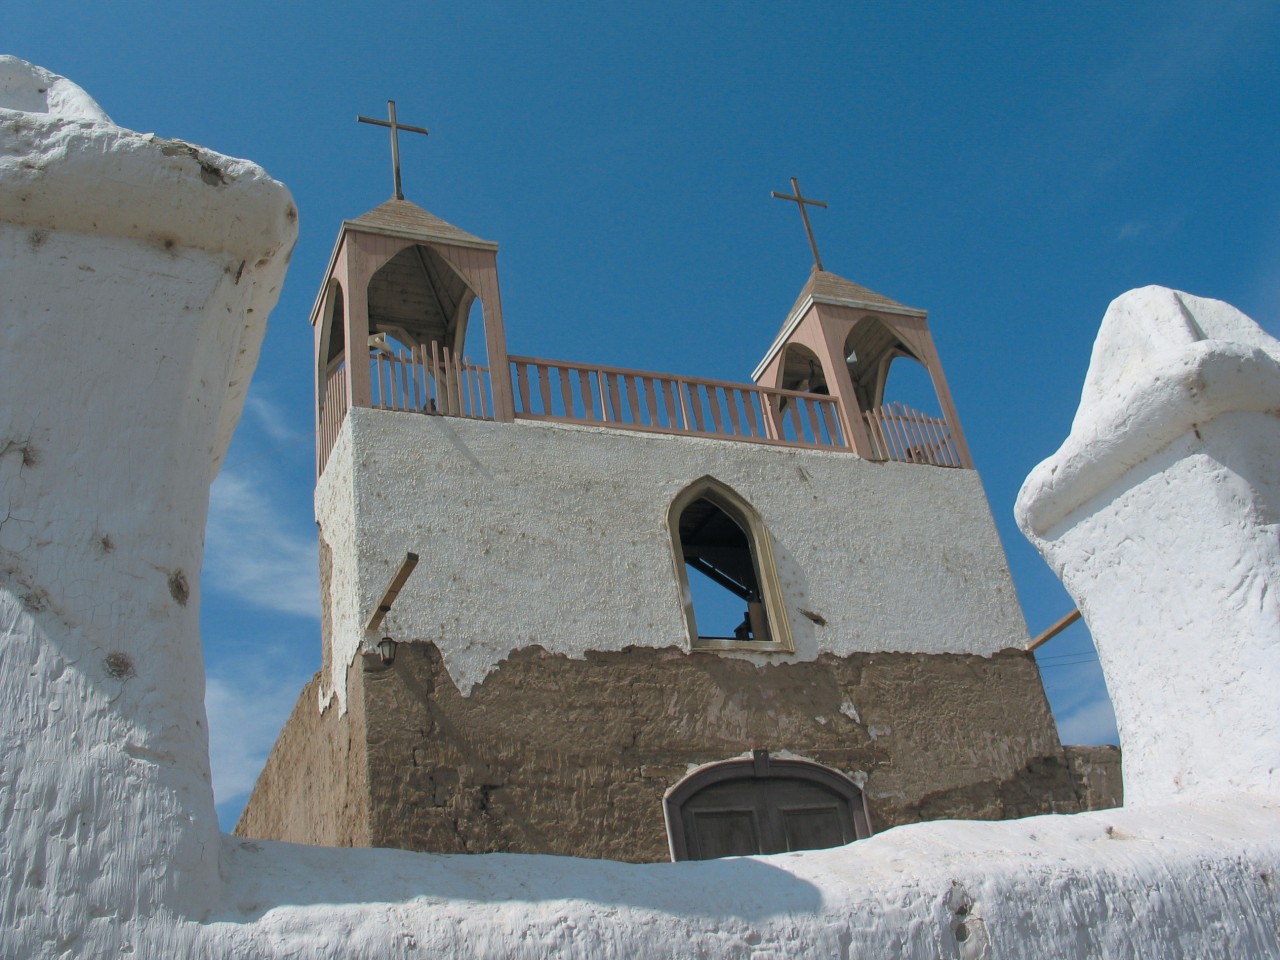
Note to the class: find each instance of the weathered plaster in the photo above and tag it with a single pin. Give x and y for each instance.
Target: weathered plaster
(573, 756)
(536, 533)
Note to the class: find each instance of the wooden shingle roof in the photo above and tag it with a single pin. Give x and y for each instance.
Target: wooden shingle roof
(825, 286)
(400, 218)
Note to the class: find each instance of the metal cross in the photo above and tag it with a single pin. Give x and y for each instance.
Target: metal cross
(800, 201)
(395, 139)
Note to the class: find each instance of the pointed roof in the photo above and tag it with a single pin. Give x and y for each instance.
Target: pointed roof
(826, 287)
(400, 218)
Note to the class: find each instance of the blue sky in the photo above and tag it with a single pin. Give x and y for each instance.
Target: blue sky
(1010, 167)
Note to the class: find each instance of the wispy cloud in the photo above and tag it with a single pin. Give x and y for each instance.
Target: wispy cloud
(245, 717)
(271, 418)
(1091, 721)
(256, 552)
(1132, 229)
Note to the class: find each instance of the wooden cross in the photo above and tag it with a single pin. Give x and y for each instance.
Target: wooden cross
(395, 139)
(800, 201)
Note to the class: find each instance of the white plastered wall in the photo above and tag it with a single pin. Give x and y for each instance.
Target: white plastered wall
(1168, 488)
(536, 533)
(136, 275)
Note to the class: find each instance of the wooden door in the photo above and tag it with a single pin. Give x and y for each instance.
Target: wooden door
(750, 815)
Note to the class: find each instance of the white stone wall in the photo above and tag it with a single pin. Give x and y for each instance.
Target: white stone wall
(136, 275)
(1168, 490)
(539, 533)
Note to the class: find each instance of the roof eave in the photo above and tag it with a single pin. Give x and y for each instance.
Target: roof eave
(807, 304)
(474, 243)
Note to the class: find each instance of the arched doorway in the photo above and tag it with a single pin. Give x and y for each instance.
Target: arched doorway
(762, 805)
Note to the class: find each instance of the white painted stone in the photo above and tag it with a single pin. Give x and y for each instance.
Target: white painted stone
(557, 535)
(119, 386)
(1161, 514)
(136, 275)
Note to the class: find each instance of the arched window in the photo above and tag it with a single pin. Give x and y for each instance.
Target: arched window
(724, 564)
(762, 805)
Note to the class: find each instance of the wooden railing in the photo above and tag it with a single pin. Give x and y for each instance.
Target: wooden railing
(430, 380)
(662, 403)
(899, 433)
(332, 412)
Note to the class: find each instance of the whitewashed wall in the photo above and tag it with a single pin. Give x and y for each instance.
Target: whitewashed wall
(1168, 490)
(538, 533)
(136, 275)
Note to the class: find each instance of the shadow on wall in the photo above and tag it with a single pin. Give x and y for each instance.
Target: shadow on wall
(742, 888)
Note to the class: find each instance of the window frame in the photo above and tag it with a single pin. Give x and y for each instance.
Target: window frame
(749, 520)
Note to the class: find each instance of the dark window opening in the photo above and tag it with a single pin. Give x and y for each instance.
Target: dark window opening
(727, 599)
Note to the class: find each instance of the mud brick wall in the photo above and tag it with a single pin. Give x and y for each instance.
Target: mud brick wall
(572, 756)
(314, 788)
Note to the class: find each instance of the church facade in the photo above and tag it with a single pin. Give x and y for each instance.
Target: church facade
(591, 611)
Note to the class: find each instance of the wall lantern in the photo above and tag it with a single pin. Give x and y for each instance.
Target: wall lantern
(387, 650)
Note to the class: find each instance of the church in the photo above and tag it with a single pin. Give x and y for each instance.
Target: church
(592, 611)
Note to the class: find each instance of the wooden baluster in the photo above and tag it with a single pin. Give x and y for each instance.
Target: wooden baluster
(812, 416)
(522, 386)
(633, 399)
(566, 393)
(827, 436)
(914, 438)
(713, 404)
(770, 416)
(615, 399)
(885, 413)
(947, 451)
(731, 399)
(602, 395)
(442, 379)
(895, 424)
(422, 368)
(695, 415)
(473, 388)
(932, 443)
(651, 402)
(794, 417)
(585, 392)
(830, 413)
(750, 400)
(673, 407)
(461, 383)
(544, 387)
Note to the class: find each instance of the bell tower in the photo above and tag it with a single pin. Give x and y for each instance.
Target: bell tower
(841, 339)
(400, 286)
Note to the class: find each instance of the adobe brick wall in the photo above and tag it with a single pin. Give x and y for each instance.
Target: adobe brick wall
(572, 756)
(1098, 776)
(314, 788)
